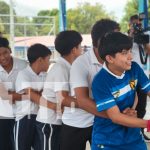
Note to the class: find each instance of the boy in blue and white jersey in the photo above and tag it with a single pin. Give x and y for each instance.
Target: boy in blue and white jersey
(29, 79)
(114, 89)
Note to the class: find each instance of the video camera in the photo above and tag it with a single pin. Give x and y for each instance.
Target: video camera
(139, 36)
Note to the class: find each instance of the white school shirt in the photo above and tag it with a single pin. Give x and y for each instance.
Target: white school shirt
(82, 72)
(27, 78)
(136, 58)
(9, 79)
(56, 80)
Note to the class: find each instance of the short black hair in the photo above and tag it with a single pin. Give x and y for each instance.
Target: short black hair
(4, 42)
(134, 17)
(100, 28)
(66, 40)
(112, 43)
(37, 50)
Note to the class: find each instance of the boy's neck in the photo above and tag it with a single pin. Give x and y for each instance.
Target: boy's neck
(115, 71)
(35, 68)
(97, 56)
(69, 58)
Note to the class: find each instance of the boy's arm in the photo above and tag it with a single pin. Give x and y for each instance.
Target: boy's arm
(79, 83)
(66, 100)
(15, 96)
(4, 94)
(9, 95)
(119, 118)
(36, 97)
(135, 101)
(86, 103)
(63, 99)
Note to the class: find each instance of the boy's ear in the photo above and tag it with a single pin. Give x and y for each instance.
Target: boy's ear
(73, 50)
(39, 59)
(109, 59)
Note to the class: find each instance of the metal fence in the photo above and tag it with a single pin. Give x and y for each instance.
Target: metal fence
(24, 26)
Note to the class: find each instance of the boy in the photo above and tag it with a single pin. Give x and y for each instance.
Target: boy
(82, 72)
(114, 89)
(31, 78)
(9, 68)
(56, 89)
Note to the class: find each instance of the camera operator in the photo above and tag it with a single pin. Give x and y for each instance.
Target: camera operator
(140, 50)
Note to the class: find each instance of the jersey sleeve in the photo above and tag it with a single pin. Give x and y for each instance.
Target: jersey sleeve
(102, 94)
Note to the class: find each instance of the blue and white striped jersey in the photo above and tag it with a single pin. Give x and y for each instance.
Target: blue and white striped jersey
(109, 91)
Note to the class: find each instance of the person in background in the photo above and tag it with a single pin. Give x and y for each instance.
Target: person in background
(140, 55)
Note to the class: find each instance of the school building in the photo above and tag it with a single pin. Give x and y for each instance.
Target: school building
(21, 44)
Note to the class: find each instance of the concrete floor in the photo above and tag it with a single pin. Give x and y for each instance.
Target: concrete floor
(148, 144)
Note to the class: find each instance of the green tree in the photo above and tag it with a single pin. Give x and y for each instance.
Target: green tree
(45, 29)
(4, 10)
(81, 18)
(84, 16)
(24, 26)
(1, 26)
(19, 29)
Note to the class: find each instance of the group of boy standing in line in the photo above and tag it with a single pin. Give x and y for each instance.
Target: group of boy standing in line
(55, 109)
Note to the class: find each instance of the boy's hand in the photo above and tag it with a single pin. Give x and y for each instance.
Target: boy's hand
(130, 112)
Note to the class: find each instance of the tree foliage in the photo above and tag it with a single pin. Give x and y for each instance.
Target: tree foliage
(4, 10)
(20, 23)
(84, 16)
(47, 24)
(80, 18)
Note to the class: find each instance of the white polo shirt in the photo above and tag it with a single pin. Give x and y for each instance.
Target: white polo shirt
(56, 80)
(136, 58)
(9, 79)
(27, 78)
(82, 72)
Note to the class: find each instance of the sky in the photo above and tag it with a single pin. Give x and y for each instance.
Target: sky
(31, 7)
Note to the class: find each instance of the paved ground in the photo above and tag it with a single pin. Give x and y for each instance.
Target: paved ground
(88, 146)
(147, 116)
